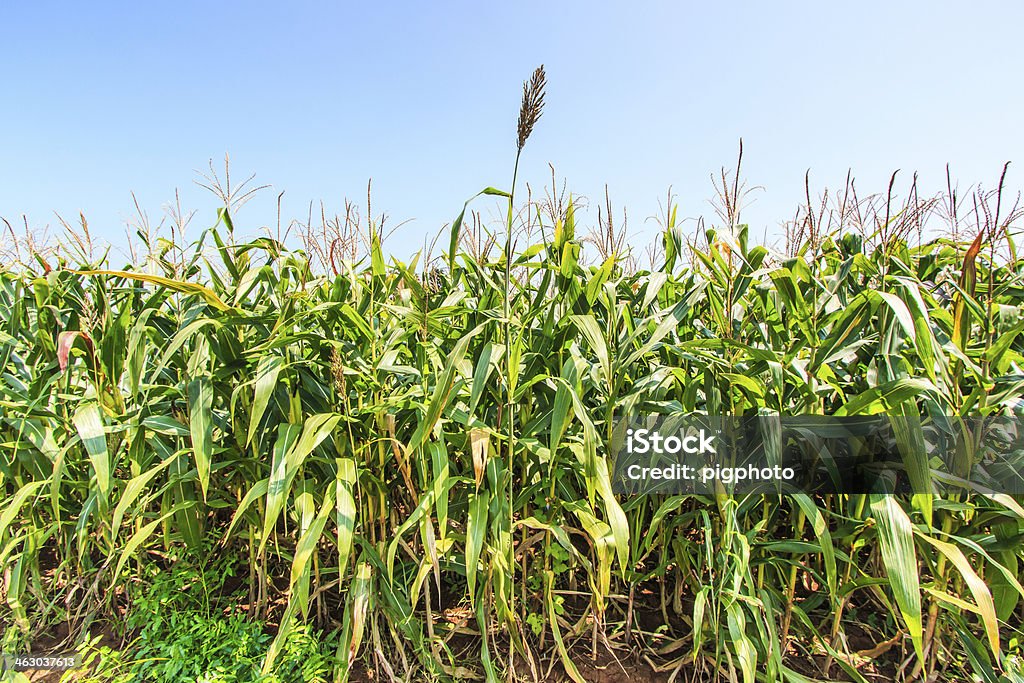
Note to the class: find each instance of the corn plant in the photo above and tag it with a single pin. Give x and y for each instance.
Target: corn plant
(417, 452)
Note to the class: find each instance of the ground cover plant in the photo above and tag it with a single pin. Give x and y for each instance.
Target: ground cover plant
(352, 467)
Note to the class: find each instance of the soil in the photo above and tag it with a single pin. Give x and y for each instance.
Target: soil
(620, 665)
(608, 667)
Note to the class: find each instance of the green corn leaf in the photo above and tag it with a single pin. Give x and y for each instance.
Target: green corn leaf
(280, 478)
(885, 397)
(896, 540)
(143, 534)
(289, 454)
(304, 552)
(824, 536)
(258, 490)
(200, 407)
(982, 596)
(131, 491)
(175, 285)
(89, 423)
(15, 504)
(441, 395)
(266, 381)
(345, 486)
(476, 530)
(556, 631)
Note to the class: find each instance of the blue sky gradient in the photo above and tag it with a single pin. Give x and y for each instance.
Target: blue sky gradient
(315, 98)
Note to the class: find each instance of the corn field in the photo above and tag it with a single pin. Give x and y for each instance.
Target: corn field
(417, 454)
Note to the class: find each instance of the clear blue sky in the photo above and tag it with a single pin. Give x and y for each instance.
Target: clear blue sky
(315, 98)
